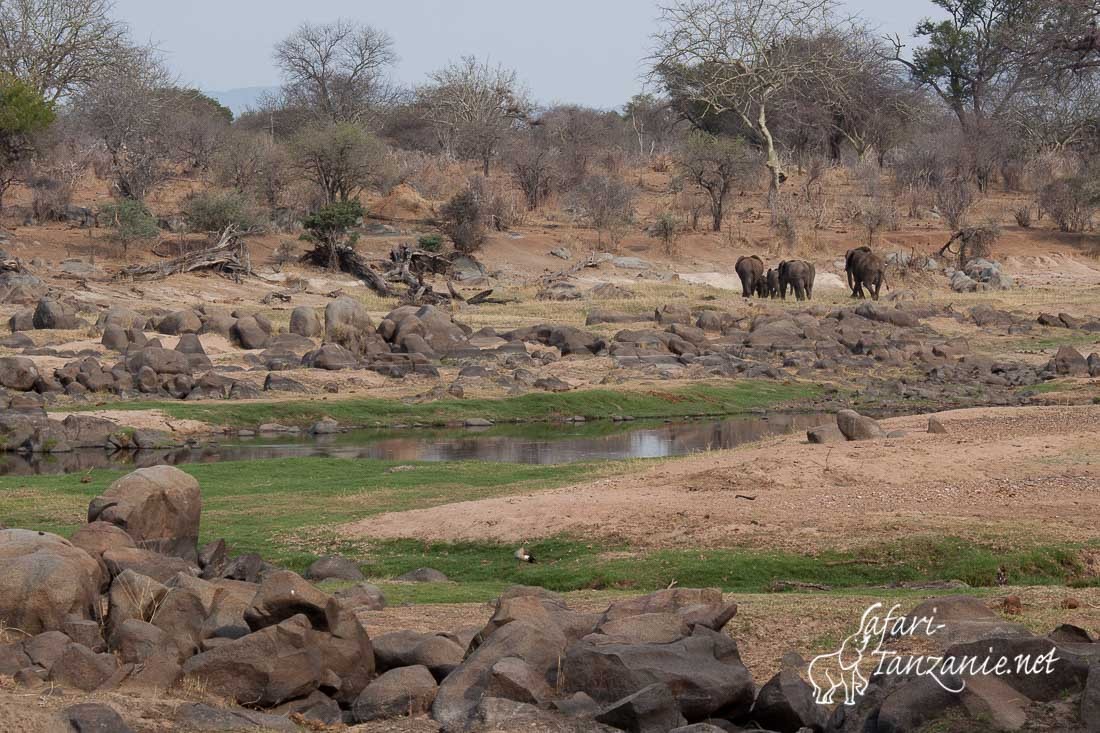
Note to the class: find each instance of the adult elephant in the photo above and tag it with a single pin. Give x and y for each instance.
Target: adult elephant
(799, 275)
(851, 257)
(866, 270)
(751, 271)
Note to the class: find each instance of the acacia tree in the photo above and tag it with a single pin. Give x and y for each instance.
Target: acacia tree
(337, 70)
(473, 106)
(979, 60)
(23, 115)
(341, 159)
(734, 57)
(59, 46)
(714, 165)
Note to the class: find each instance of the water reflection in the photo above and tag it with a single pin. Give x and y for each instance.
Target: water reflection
(541, 444)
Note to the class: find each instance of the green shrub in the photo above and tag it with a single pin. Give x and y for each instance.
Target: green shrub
(215, 211)
(131, 222)
(328, 229)
(430, 242)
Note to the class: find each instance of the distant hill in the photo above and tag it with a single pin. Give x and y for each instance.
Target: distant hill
(241, 99)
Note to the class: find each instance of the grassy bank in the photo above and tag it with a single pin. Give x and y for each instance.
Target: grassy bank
(286, 510)
(699, 399)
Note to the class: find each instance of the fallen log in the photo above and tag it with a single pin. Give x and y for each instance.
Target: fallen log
(229, 257)
(351, 262)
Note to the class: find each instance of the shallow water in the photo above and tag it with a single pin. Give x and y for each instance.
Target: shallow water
(532, 444)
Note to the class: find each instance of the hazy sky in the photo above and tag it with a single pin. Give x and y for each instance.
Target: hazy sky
(583, 51)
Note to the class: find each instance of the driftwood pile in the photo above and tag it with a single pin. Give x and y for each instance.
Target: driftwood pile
(229, 257)
(406, 266)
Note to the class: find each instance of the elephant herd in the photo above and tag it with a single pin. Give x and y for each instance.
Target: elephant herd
(798, 275)
(865, 269)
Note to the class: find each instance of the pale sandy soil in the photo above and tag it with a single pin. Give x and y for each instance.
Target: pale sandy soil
(1014, 473)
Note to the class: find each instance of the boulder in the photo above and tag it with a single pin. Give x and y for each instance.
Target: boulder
(97, 538)
(135, 641)
(340, 568)
(158, 507)
(540, 646)
(161, 568)
(283, 595)
(331, 357)
(132, 596)
(50, 314)
(825, 435)
(81, 668)
(786, 703)
(513, 679)
(652, 709)
(704, 670)
(858, 427)
(189, 343)
(17, 373)
(159, 360)
(180, 322)
(362, 596)
(406, 691)
(1069, 362)
(964, 619)
(249, 333)
(115, 338)
(410, 648)
(1090, 700)
(91, 717)
(45, 649)
(348, 324)
(201, 717)
(305, 322)
(45, 581)
(265, 668)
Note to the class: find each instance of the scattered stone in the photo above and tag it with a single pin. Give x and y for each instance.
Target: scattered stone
(423, 575)
(340, 568)
(858, 427)
(936, 426)
(93, 717)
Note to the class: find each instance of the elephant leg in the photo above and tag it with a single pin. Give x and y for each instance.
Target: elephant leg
(799, 290)
(746, 284)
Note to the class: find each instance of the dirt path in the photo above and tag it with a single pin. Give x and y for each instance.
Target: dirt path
(1030, 473)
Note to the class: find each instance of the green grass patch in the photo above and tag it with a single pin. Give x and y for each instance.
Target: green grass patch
(696, 400)
(284, 509)
(481, 570)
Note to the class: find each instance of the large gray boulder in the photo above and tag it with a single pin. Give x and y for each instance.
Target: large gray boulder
(51, 314)
(180, 322)
(45, 580)
(406, 691)
(158, 507)
(704, 671)
(304, 322)
(17, 373)
(858, 427)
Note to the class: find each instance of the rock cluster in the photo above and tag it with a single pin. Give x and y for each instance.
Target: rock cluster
(266, 639)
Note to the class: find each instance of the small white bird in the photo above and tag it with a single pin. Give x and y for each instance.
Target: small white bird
(523, 555)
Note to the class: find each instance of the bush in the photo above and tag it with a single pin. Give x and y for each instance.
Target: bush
(131, 222)
(667, 230)
(430, 242)
(954, 199)
(50, 198)
(1071, 202)
(215, 211)
(464, 221)
(1023, 217)
(607, 203)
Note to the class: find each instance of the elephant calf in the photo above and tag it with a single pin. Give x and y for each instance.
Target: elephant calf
(800, 276)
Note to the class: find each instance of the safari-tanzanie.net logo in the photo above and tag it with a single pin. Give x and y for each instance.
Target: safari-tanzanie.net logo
(841, 670)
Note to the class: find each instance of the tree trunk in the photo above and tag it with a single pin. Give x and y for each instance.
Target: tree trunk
(774, 166)
(716, 213)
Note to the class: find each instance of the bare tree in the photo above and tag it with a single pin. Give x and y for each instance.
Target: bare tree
(59, 46)
(336, 69)
(126, 109)
(715, 165)
(473, 106)
(652, 121)
(196, 127)
(607, 202)
(736, 56)
(533, 162)
(342, 159)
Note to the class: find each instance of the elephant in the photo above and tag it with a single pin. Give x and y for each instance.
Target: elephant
(772, 283)
(865, 269)
(751, 271)
(800, 276)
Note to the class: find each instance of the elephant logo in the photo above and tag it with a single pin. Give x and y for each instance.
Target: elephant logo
(829, 673)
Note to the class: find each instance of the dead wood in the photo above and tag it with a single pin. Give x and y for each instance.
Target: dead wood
(229, 257)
